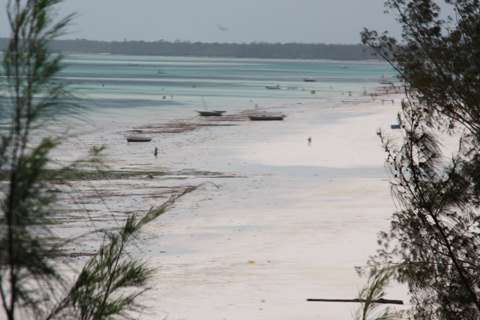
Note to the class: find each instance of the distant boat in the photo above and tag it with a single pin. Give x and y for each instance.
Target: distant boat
(138, 139)
(309, 79)
(207, 113)
(384, 79)
(213, 113)
(273, 87)
(266, 117)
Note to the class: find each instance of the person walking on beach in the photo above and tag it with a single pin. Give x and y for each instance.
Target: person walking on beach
(309, 141)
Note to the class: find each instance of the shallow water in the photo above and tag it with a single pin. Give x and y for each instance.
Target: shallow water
(146, 87)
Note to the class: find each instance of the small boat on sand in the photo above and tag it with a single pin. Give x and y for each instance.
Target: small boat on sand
(267, 117)
(210, 113)
(213, 113)
(310, 79)
(138, 139)
(277, 87)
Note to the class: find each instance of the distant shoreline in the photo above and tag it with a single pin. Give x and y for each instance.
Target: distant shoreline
(261, 50)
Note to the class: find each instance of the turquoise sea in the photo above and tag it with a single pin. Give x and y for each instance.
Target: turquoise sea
(162, 88)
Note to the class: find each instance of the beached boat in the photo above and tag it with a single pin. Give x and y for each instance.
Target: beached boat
(309, 80)
(138, 139)
(273, 87)
(209, 113)
(213, 113)
(266, 117)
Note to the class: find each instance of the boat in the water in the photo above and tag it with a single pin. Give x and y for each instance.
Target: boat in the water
(213, 113)
(266, 117)
(384, 79)
(309, 79)
(135, 138)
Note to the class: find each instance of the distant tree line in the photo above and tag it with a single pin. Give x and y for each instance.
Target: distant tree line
(200, 49)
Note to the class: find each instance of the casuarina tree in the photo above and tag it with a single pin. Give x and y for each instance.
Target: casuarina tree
(32, 286)
(433, 244)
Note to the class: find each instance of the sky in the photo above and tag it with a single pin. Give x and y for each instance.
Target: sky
(240, 21)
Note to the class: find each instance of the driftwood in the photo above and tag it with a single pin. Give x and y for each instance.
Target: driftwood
(382, 301)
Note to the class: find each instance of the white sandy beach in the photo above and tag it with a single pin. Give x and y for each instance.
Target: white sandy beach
(292, 225)
(286, 221)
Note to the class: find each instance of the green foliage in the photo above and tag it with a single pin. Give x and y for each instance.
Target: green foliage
(25, 243)
(438, 58)
(434, 240)
(30, 284)
(373, 292)
(437, 227)
(95, 294)
(105, 286)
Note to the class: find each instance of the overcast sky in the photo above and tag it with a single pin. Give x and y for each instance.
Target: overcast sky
(243, 21)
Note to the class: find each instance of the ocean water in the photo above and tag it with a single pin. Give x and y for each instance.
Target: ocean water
(163, 88)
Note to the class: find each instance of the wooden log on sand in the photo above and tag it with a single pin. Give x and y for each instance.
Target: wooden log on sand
(382, 301)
